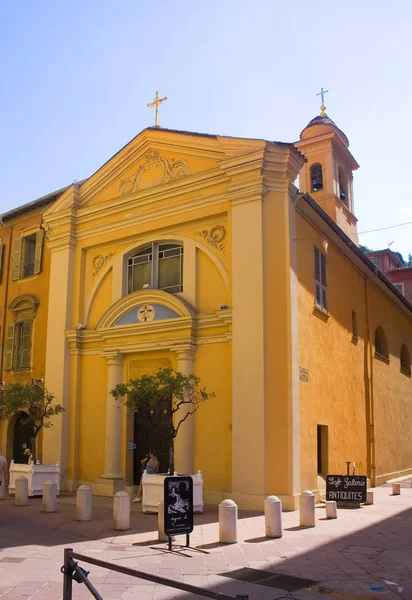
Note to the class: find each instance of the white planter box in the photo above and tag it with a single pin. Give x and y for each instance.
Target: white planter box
(153, 492)
(36, 476)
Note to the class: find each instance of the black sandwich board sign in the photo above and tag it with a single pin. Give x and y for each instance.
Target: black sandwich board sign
(346, 488)
(178, 499)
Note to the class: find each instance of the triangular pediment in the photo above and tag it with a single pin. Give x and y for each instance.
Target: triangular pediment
(154, 160)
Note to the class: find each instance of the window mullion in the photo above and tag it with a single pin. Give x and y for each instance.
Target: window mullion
(155, 265)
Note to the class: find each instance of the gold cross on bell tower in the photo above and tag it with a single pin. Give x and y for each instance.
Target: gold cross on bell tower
(156, 103)
(323, 107)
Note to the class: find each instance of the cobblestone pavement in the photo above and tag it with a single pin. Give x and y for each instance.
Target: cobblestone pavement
(365, 554)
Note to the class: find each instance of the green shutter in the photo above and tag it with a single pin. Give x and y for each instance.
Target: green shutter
(17, 249)
(26, 329)
(9, 348)
(39, 250)
(1, 259)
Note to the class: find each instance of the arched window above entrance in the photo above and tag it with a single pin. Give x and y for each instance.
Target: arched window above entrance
(158, 266)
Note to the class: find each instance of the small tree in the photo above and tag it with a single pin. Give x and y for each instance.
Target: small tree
(183, 391)
(33, 403)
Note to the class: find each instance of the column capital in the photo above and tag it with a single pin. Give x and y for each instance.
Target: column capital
(188, 353)
(114, 358)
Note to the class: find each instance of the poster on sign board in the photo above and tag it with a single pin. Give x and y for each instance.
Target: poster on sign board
(178, 501)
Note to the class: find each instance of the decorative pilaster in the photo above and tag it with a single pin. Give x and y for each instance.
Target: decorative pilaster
(112, 480)
(57, 368)
(184, 446)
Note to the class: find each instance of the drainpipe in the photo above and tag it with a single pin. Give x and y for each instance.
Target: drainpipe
(370, 403)
(6, 263)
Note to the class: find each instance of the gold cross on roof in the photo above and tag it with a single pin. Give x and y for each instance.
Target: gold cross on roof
(156, 103)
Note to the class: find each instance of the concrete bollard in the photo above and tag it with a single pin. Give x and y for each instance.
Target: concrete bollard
(369, 497)
(273, 517)
(396, 489)
(307, 509)
(84, 503)
(3, 489)
(49, 497)
(21, 497)
(227, 522)
(331, 509)
(161, 536)
(121, 511)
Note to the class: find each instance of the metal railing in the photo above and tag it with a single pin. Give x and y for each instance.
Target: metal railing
(74, 572)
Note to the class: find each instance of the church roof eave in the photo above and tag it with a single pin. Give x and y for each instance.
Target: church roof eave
(354, 248)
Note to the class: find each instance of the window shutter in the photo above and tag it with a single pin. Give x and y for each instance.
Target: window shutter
(8, 363)
(323, 269)
(27, 327)
(17, 249)
(317, 264)
(39, 250)
(1, 259)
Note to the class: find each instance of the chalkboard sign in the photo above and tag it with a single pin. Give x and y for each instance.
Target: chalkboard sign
(178, 499)
(346, 488)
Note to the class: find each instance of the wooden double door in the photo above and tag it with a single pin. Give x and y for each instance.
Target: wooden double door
(151, 433)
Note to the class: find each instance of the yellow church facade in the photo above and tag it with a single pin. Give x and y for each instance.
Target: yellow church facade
(198, 252)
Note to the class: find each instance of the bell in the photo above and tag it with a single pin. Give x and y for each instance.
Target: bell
(317, 179)
(342, 194)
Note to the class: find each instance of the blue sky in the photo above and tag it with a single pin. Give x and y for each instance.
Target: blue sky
(77, 76)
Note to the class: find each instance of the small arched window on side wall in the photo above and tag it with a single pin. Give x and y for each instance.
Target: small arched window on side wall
(405, 360)
(19, 333)
(381, 343)
(158, 266)
(316, 177)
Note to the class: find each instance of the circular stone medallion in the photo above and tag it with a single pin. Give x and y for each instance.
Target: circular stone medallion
(146, 313)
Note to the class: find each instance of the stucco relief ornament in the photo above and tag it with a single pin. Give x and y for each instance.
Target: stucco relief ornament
(146, 313)
(99, 261)
(154, 170)
(214, 237)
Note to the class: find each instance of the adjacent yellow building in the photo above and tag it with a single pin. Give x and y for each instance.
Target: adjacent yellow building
(198, 252)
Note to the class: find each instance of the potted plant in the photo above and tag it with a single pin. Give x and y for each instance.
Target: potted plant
(185, 395)
(35, 406)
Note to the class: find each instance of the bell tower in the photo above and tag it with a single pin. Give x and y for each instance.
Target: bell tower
(327, 174)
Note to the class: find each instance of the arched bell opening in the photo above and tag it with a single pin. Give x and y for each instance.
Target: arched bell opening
(316, 177)
(343, 187)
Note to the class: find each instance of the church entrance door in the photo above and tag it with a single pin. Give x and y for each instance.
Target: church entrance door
(22, 439)
(150, 433)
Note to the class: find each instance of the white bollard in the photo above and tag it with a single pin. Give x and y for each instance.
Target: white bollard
(396, 489)
(227, 522)
(3, 489)
(84, 503)
(331, 509)
(369, 497)
(121, 511)
(307, 509)
(21, 491)
(273, 517)
(49, 497)
(161, 536)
